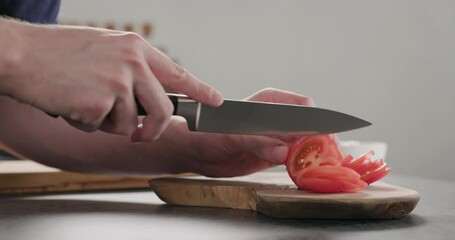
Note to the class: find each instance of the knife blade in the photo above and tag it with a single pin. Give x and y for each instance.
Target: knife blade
(260, 118)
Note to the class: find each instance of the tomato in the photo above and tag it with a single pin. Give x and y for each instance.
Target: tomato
(311, 151)
(315, 163)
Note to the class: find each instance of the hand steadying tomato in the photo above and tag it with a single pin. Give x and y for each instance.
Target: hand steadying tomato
(315, 163)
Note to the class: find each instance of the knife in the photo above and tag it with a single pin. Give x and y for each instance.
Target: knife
(260, 118)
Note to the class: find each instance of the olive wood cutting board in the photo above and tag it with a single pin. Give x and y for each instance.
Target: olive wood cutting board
(274, 195)
(25, 176)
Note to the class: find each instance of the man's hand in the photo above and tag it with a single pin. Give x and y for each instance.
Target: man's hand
(220, 155)
(91, 77)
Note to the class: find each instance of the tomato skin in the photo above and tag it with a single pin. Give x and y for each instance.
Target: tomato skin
(316, 164)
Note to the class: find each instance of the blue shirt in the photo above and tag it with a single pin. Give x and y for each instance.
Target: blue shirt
(35, 11)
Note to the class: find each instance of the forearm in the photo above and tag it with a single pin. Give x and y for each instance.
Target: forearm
(34, 135)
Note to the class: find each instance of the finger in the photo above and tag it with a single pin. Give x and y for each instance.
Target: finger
(81, 126)
(336, 139)
(281, 96)
(91, 120)
(159, 108)
(123, 117)
(268, 149)
(174, 76)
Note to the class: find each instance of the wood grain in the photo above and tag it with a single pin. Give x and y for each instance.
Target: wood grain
(24, 177)
(273, 194)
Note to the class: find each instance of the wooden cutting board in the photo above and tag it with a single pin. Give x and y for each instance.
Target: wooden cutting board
(274, 195)
(25, 177)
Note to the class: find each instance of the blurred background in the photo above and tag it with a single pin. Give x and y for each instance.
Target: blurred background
(389, 62)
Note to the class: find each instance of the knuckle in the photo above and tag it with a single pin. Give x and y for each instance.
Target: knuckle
(140, 68)
(133, 39)
(119, 81)
(178, 73)
(94, 113)
(131, 53)
(161, 117)
(86, 127)
(121, 88)
(169, 108)
(133, 60)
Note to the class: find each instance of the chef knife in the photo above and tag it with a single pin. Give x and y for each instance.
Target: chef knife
(260, 118)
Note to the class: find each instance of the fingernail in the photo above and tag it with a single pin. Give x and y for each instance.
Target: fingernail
(280, 154)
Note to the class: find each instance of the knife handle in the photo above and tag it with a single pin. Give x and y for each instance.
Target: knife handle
(173, 97)
(183, 106)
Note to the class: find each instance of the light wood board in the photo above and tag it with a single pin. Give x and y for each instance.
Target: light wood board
(274, 195)
(24, 177)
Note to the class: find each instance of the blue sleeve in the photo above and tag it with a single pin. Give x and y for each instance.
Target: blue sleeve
(35, 11)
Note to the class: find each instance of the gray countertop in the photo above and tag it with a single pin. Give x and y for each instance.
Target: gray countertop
(141, 215)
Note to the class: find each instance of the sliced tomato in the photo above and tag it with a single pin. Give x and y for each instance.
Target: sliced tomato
(370, 171)
(312, 151)
(373, 176)
(369, 166)
(331, 179)
(360, 162)
(315, 163)
(347, 160)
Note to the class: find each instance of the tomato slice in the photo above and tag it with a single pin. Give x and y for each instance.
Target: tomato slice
(312, 152)
(347, 160)
(369, 166)
(331, 179)
(359, 162)
(373, 176)
(315, 163)
(370, 171)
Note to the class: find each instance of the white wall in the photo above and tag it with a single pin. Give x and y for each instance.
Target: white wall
(390, 62)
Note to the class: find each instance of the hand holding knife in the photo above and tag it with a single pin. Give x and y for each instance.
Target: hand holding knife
(260, 118)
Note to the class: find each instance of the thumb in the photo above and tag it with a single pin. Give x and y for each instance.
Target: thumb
(268, 149)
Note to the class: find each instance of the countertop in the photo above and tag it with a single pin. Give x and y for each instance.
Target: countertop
(141, 215)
